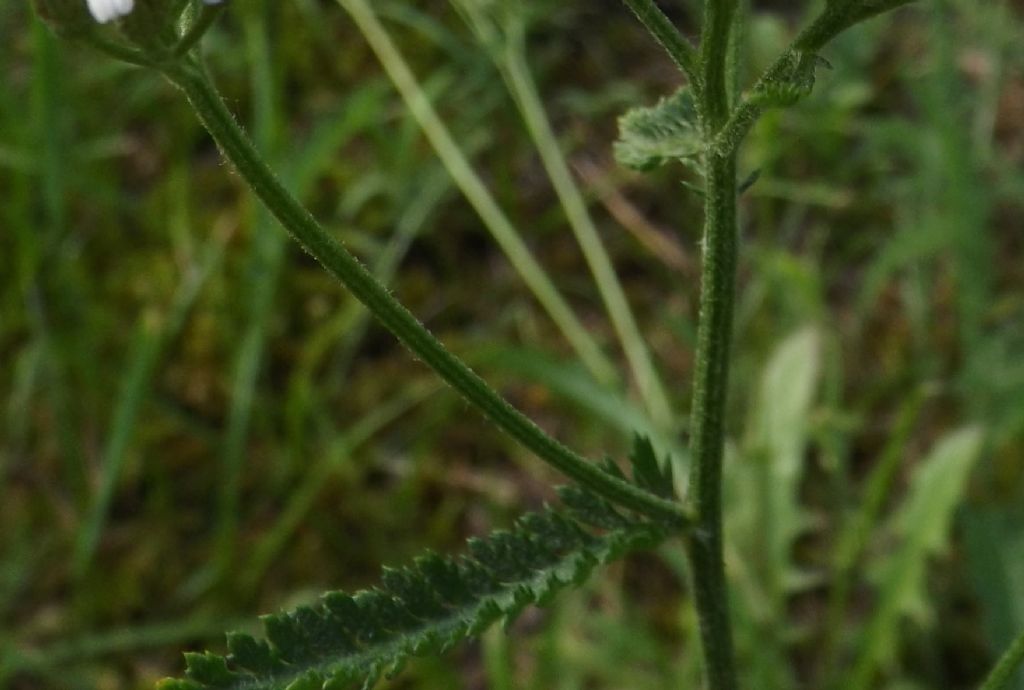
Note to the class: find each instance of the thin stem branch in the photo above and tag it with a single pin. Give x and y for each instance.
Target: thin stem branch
(668, 37)
(218, 120)
(826, 26)
(207, 16)
(713, 97)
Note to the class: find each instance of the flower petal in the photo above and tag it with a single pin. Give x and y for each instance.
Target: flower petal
(105, 10)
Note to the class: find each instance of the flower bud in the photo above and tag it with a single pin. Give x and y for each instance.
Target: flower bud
(106, 10)
(154, 25)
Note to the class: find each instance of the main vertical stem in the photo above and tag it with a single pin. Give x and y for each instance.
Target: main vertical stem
(708, 421)
(711, 376)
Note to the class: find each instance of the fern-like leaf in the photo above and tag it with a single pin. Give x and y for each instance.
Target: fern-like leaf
(792, 80)
(348, 641)
(666, 132)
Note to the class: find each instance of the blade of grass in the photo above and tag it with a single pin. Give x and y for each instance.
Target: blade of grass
(767, 517)
(265, 258)
(28, 370)
(147, 350)
(302, 498)
(62, 654)
(509, 54)
(476, 193)
(1002, 675)
(47, 104)
(349, 325)
(497, 660)
(922, 522)
(856, 533)
(576, 385)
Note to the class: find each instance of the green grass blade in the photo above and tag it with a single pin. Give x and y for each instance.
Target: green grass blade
(527, 97)
(266, 255)
(922, 523)
(1001, 676)
(148, 347)
(855, 535)
(473, 188)
(576, 385)
(302, 497)
(766, 516)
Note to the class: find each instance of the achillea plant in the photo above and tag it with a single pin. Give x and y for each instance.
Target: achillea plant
(604, 513)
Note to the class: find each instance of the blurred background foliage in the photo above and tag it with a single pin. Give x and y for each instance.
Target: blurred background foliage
(199, 425)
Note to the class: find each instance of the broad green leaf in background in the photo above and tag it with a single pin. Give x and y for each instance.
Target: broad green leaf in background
(921, 525)
(762, 492)
(776, 443)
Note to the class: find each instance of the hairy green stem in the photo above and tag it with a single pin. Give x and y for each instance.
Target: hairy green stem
(668, 36)
(711, 373)
(207, 16)
(237, 148)
(708, 421)
(830, 23)
(713, 95)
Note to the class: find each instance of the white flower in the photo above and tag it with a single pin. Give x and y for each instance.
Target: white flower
(106, 10)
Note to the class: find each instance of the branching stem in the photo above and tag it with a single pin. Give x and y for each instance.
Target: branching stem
(829, 24)
(218, 120)
(711, 375)
(668, 36)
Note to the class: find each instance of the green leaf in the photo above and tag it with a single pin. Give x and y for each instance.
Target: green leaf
(791, 80)
(774, 455)
(762, 489)
(666, 132)
(648, 472)
(922, 524)
(348, 641)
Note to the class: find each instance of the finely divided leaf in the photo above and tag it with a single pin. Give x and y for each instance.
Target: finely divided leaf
(793, 80)
(666, 132)
(648, 473)
(348, 641)
(922, 523)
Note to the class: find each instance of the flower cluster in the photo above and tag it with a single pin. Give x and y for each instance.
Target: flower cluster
(107, 10)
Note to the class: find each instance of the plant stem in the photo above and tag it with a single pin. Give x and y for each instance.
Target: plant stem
(218, 120)
(668, 36)
(713, 95)
(708, 421)
(826, 26)
(711, 374)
